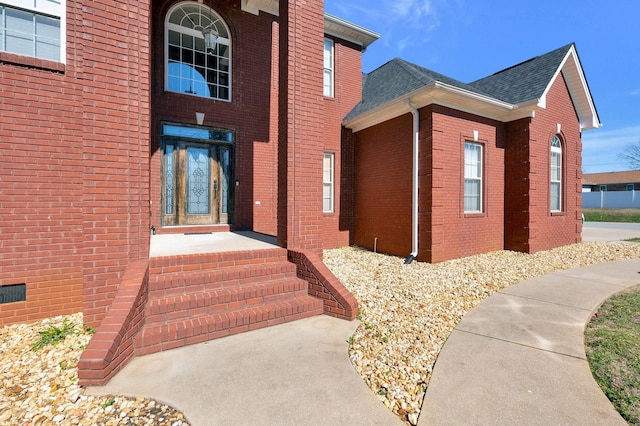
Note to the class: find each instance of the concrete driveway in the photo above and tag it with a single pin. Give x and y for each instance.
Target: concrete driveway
(609, 231)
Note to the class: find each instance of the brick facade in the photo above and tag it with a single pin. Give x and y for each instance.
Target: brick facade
(516, 212)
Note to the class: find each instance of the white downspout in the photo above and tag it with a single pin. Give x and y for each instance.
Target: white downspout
(414, 206)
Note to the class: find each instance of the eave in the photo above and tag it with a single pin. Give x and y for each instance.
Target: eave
(438, 93)
(579, 91)
(333, 25)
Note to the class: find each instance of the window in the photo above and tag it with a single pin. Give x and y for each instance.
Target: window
(472, 177)
(629, 187)
(327, 183)
(556, 174)
(603, 188)
(33, 28)
(192, 68)
(328, 67)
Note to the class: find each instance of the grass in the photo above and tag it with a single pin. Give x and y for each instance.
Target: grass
(53, 334)
(612, 343)
(612, 215)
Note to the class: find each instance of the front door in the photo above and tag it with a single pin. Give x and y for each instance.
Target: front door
(195, 182)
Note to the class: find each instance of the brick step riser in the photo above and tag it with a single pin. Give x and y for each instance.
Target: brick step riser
(210, 261)
(185, 305)
(177, 283)
(172, 334)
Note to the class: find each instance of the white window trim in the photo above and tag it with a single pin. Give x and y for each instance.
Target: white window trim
(221, 40)
(330, 183)
(479, 178)
(329, 67)
(556, 150)
(52, 8)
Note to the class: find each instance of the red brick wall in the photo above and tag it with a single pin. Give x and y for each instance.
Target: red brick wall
(548, 229)
(531, 226)
(517, 185)
(40, 189)
(300, 126)
(383, 176)
(115, 92)
(347, 93)
(74, 172)
(454, 233)
(384, 183)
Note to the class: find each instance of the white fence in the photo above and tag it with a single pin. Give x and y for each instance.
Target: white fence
(611, 200)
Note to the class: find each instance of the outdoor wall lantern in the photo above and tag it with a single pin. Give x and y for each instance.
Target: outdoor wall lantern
(210, 39)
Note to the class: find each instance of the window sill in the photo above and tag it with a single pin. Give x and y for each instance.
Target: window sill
(474, 214)
(558, 213)
(29, 62)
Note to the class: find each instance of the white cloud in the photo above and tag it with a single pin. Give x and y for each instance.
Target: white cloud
(635, 92)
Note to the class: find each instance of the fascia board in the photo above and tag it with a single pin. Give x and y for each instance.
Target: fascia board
(579, 91)
(445, 95)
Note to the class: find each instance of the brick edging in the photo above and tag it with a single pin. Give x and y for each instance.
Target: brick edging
(337, 300)
(111, 347)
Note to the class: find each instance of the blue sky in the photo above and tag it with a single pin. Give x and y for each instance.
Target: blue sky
(470, 39)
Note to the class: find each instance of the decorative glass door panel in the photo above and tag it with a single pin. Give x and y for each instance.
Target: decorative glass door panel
(199, 180)
(196, 177)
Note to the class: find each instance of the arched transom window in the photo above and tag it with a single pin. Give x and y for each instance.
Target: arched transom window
(556, 174)
(192, 67)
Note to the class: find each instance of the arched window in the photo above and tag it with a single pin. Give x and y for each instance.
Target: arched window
(556, 174)
(191, 66)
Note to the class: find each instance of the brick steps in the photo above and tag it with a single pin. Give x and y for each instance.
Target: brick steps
(186, 331)
(204, 301)
(222, 277)
(195, 298)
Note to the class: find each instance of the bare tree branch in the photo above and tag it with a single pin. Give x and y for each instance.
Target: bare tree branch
(631, 155)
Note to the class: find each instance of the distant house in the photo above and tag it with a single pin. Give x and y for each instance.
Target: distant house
(611, 181)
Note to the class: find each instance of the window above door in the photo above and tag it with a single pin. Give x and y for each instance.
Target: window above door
(192, 67)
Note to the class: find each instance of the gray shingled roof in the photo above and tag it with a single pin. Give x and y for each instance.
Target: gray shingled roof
(520, 83)
(395, 79)
(525, 81)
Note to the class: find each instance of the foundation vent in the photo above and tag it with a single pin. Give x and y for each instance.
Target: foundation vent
(13, 293)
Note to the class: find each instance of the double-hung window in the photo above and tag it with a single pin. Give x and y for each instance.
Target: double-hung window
(328, 67)
(33, 28)
(472, 177)
(556, 174)
(327, 183)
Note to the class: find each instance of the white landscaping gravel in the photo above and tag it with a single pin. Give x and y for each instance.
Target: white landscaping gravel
(408, 311)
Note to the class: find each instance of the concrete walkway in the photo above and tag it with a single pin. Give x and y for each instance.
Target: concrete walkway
(291, 374)
(518, 357)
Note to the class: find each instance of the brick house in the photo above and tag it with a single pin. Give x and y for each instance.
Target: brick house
(628, 180)
(119, 120)
(496, 162)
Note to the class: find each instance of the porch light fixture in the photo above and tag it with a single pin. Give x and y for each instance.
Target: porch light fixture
(210, 35)
(210, 39)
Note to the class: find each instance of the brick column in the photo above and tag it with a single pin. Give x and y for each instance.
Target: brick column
(300, 125)
(115, 171)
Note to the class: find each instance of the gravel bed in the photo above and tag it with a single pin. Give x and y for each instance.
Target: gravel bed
(408, 311)
(40, 387)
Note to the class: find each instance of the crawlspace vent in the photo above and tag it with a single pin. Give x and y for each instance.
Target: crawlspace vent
(13, 293)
